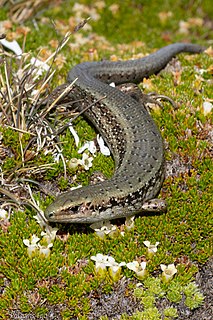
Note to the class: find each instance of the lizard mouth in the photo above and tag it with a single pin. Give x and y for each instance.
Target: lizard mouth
(69, 218)
(76, 214)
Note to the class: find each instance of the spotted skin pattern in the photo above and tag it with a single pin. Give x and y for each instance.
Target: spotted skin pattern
(129, 131)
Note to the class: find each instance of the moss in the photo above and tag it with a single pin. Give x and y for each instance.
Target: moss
(194, 298)
(3, 14)
(171, 313)
(194, 301)
(147, 314)
(41, 311)
(24, 304)
(174, 292)
(154, 286)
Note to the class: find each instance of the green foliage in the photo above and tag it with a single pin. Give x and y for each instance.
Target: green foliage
(67, 276)
(139, 292)
(147, 314)
(194, 301)
(171, 313)
(194, 298)
(9, 164)
(40, 311)
(3, 14)
(190, 289)
(63, 183)
(148, 301)
(174, 292)
(24, 304)
(112, 26)
(124, 316)
(15, 141)
(66, 314)
(154, 286)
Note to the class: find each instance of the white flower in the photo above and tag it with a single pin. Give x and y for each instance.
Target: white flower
(129, 223)
(78, 8)
(45, 250)
(151, 248)
(113, 263)
(40, 66)
(89, 145)
(168, 271)
(116, 266)
(50, 234)
(73, 163)
(86, 161)
(184, 27)
(100, 259)
(3, 214)
(33, 242)
(115, 270)
(103, 148)
(32, 245)
(57, 156)
(200, 73)
(103, 261)
(114, 8)
(40, 219)
(138, 268)
(104, 228)
(100, 4)
(207, 107)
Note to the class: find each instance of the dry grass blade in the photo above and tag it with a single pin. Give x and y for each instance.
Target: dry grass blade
(22, 131)
(8, 90)
(24, 9)
(60, 130)
(63, 93)
(9, 195)
(23, 96)
(34, 205)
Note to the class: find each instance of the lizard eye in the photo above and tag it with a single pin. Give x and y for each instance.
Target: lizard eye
(50, 215)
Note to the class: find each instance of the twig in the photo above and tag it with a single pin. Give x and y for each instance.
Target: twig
(22, 131)
(9, 93)
(59, 131)
(67, 89)
(35, 206)
(9, 195)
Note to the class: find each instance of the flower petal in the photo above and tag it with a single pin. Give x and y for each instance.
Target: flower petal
(147, 243)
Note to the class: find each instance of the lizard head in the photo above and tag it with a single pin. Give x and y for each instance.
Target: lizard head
(77, 206)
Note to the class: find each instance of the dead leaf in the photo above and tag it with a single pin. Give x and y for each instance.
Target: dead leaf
(164, 16)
